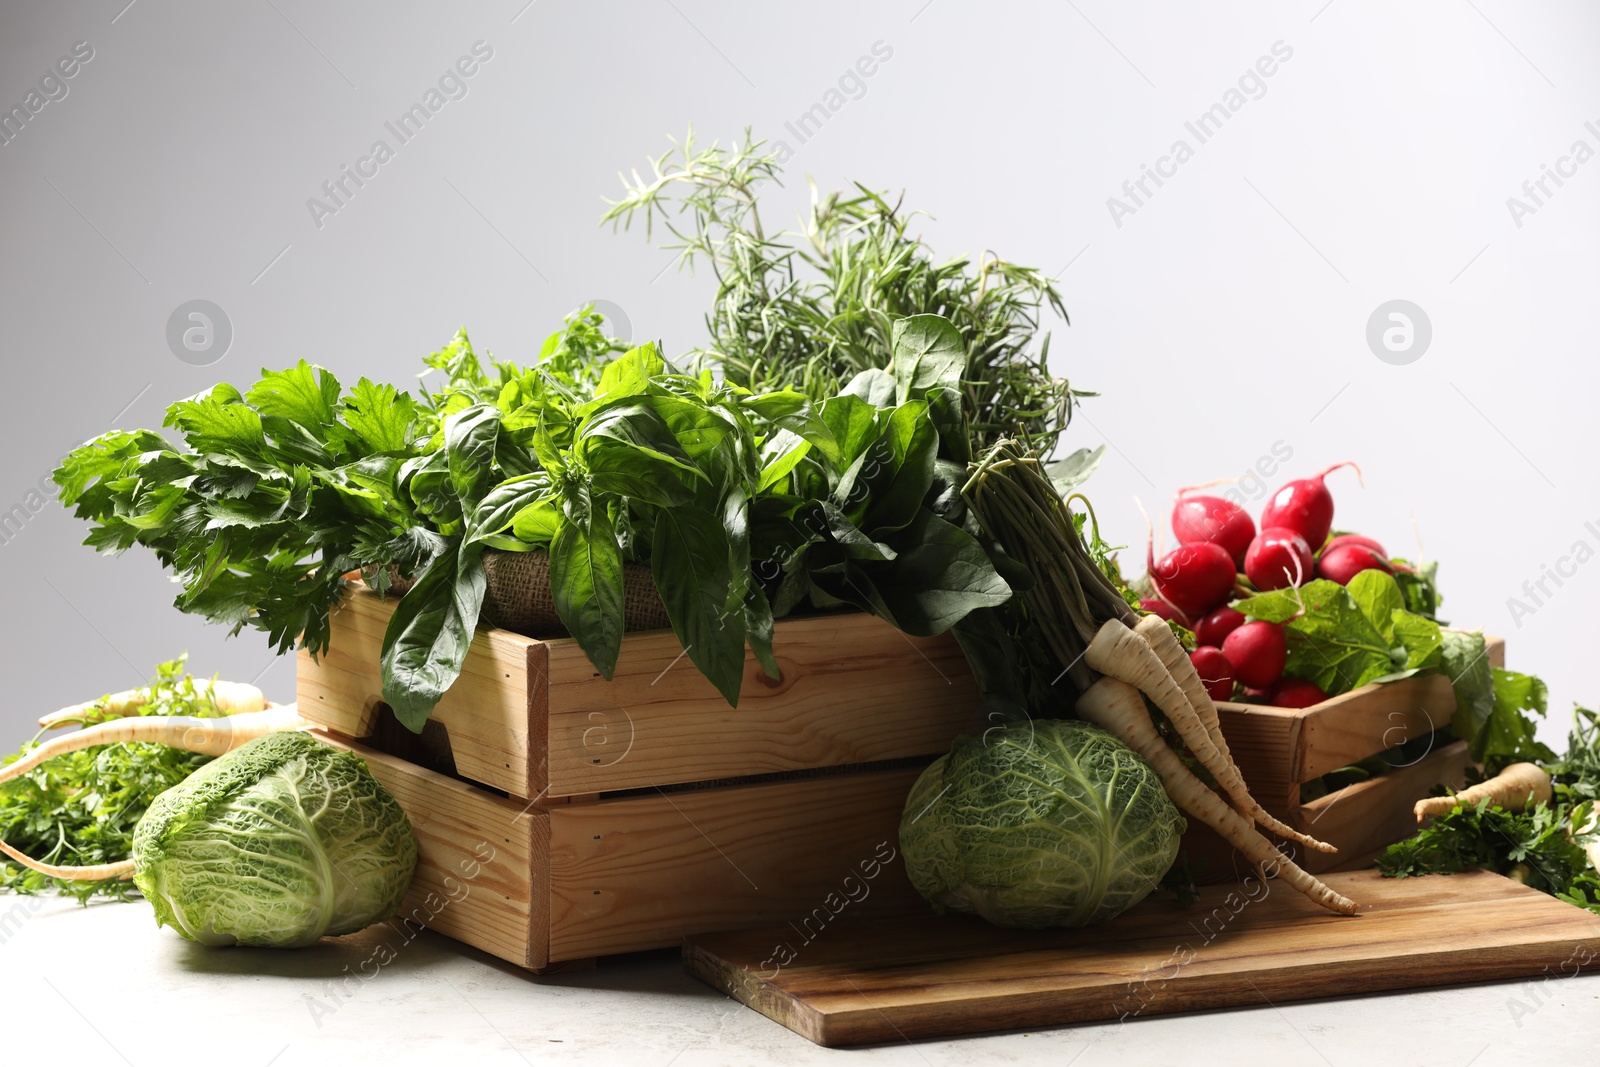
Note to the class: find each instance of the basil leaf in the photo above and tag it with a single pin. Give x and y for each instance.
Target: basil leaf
(689, 559)
(429, 634)
(586, 586)
(470, 437)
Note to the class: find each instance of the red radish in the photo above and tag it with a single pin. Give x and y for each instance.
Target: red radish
(1344, 562)
(1195, 578)
(1304, 506)
(1278, 557)
(1211, 518)
(1161, 609)
(1216, 673)
(1258, 652)
(1295, 693)
(1219, 624)
(1354, 539)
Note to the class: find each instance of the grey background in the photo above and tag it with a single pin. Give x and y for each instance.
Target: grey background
(1223, 318)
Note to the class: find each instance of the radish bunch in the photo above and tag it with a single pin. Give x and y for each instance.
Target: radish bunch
(1195, 582)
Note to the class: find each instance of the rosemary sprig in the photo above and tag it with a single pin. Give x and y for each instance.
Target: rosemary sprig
(809, 310)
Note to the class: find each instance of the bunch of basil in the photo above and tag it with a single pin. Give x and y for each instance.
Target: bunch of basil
(744, 505)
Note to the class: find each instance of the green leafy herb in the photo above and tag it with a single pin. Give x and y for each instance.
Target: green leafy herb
(595, 455)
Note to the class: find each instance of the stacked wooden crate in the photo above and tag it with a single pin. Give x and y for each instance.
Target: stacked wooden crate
(563, 817)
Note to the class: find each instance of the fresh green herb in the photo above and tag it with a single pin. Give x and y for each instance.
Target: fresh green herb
(80, 809)
(1498, 840)
(597, 458)
(810, 311)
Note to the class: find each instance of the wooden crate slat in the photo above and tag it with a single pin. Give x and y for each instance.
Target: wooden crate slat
(487, 713)
(854, 690)
(1266, 744)
(1369, 815)
(642, 872)
(1356, 725)
(477, 862)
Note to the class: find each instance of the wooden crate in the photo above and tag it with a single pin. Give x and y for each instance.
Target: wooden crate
(601, 817)
(1280, 749)
(533, 719)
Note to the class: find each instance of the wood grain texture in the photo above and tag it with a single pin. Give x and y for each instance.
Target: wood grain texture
(477, 860)
(642, 872)
(853, 690)
(1362, 818)
(488, 714)
(924, 977)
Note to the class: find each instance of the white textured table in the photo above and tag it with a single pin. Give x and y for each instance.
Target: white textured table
(105, 986)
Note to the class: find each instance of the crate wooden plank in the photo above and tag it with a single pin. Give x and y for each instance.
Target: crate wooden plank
(489, 714)
(1266, 744)
(535, 720)
(1275, 747)
(478, 856)
(644, 871)
(853, 690)
(1366, 816)
(924, 977)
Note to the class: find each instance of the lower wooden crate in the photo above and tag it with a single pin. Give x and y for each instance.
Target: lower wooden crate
(544, 886)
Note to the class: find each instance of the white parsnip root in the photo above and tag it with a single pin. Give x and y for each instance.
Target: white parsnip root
(1118, 707)
(1127, 655)
(104, 872)
(1517, 787)
(208, 737)
(231, 698)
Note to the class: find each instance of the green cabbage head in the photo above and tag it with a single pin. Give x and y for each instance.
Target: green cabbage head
(1039, 824)
(281, 842)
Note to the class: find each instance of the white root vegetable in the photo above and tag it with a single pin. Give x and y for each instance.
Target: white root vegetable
(104, 872)
(209, 737)
(1118, 707)
(231, 698)
(1124, 654)
(1517, 787)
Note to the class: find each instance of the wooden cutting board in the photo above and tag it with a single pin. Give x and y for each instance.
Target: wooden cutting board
(842, 983)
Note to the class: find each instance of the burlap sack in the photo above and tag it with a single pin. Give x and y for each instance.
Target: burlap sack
(517, 595)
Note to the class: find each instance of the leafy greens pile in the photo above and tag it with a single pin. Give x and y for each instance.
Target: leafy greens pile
(745, 505)
(80, 809)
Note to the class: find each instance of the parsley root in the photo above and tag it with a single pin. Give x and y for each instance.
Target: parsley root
(230, 698)
(208, 737)
(1515, 788)
(1163, 670)
(1118, 707)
